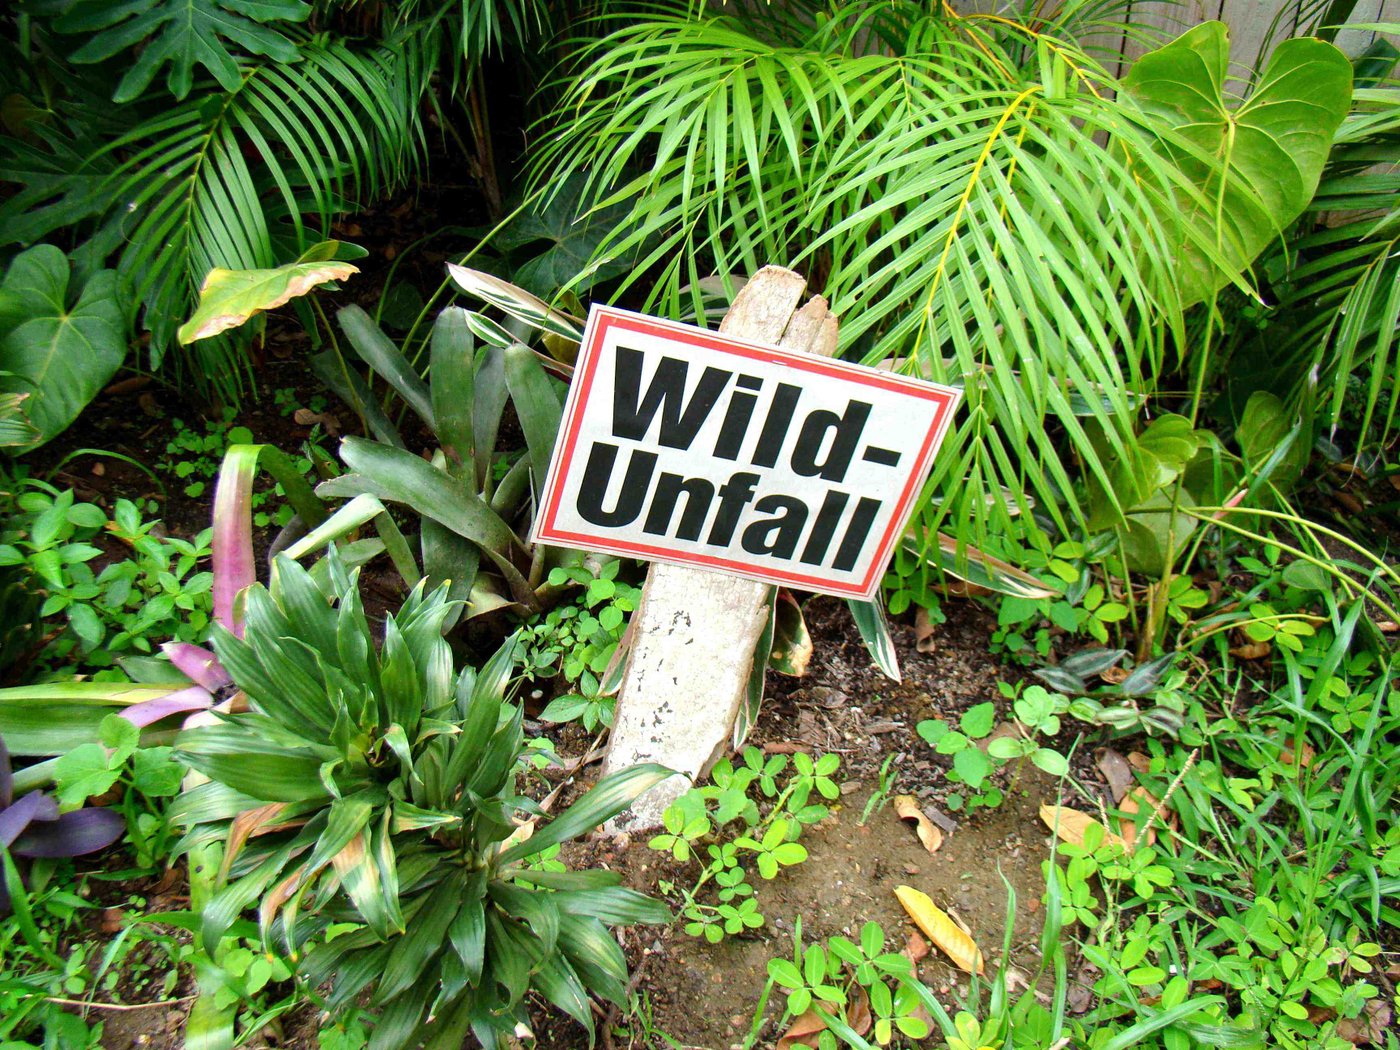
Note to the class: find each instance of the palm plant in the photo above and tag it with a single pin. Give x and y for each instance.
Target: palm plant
(376, 785)
(983, 204)
(246, 172)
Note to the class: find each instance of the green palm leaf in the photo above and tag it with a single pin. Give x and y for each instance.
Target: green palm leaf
(976, 199)
(248, 177)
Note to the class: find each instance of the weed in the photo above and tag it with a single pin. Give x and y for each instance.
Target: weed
(105, 612)
(739, 828)
(579, 641)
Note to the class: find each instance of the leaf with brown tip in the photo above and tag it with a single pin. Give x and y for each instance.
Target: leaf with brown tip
(228, 298)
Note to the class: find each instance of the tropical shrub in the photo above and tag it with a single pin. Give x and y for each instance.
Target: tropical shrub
(980, 200)
(377, 786)
(1324, 334)
(241, 163)
(32, 826)
(472, 518)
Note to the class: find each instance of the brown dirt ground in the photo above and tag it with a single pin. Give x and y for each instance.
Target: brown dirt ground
(704, 996)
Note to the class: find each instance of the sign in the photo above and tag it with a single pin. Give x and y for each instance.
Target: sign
(682, 445)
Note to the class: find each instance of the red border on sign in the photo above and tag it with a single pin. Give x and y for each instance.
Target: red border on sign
(602, 319)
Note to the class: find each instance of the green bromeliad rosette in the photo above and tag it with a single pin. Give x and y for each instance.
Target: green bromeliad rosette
(378, 787)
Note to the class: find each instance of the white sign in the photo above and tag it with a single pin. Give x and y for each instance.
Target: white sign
(681, 445)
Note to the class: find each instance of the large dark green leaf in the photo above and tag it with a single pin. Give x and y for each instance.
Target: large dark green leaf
(566, 230)
(613, 905)
(1273, 145)
(605, 800)
(267, 772)
(536, 406)
(536, 908)
(425, 937)
(452, 366)
(556, 981)
(394, 474)
(379, 352)
(183, 33)
(467, 933)
(61, 355)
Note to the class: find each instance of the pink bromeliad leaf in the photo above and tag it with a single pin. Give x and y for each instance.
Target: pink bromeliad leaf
(195, 698)
(197, 664)
(233, 533)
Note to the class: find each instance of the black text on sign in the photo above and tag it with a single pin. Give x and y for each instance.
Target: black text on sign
(685, 446)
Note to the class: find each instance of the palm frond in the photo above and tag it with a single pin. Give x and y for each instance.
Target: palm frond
(234, 179)
(973, 197)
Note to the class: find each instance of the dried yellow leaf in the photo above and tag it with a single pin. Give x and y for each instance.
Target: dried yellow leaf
(930, 834)
(1071, 825)
(939, 928)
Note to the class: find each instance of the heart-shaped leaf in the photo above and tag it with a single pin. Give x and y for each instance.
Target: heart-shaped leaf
(60, 356)
(1255, 161)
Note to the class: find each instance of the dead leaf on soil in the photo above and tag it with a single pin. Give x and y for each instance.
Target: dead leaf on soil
(929, 833)
(1252, 650)
(1071, 825)
(1305, 759)
(1369, 1029)
(1135, 801)
(939, 927)
(808, 1027)
(304, 417)
(1116, 772)
(521, 834)
(923, 632)
(785, 747)
(917, 948)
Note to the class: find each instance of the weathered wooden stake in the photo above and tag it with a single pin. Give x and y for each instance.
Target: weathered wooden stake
(696, 631)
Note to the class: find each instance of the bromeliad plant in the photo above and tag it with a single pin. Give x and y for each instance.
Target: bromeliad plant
(32, 826)
(378, 787)
(472, 521)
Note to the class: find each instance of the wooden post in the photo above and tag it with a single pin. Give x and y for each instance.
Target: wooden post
(696, 631)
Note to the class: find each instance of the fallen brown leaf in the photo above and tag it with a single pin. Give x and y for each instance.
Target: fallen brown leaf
(522, 833)
(945, 934)
(1252, 650)
(1116, 772)
(1071, 825)
(304, 417)
(1135, 801)
(917, 948)
(1305, 758)
(784, 747)
(1369, 1029)
(923, 632)
(807, 1028)
(929, 833)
